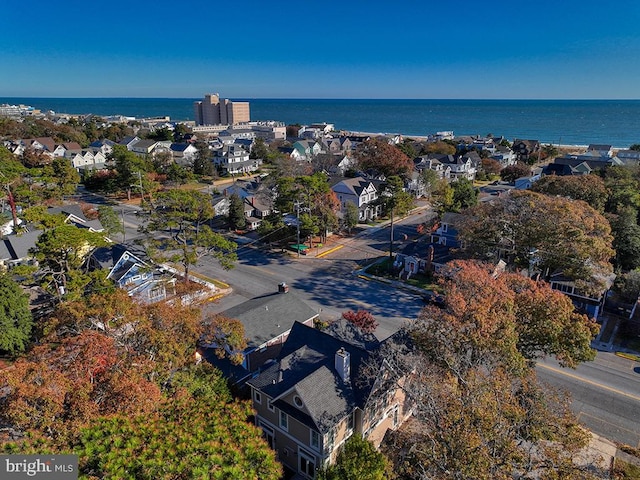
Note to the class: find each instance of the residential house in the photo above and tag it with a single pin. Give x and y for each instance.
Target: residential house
(256, 209)
(183, 153)
(524, 149)
(461, 166)
(600, 150)
(629, 157)
(525, 183)
(45, 144)
(427, 162)
(235, 160)
(104, 146)
(143, 147)
(594, 161)
(15, 249)
(587, 303)
(415, 185)
(307, 149)
(446, 232)
(291, 153)
(65, 149)
(360, 192)
(504, 155)
(129, 141)
(341, 145)
(128, 268)
(267, 321)
(74, 215)
(316, 395)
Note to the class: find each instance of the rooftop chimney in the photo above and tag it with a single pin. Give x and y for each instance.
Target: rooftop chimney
(343, 364)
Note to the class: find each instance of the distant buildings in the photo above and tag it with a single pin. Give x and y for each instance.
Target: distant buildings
(216, 111)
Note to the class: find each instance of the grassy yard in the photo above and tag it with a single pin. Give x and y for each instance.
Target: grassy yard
(381, 269)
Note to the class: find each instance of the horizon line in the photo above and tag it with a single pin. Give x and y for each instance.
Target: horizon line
(329, 98)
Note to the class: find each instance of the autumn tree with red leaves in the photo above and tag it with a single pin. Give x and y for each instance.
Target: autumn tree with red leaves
(361, 319)
(477, 407)
(379, 155)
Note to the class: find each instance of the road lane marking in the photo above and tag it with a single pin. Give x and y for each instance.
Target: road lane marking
(263, 270)
(331, 250)
(590, 382)
(585, 414)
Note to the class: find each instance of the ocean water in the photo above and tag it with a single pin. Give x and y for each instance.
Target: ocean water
(567, 122)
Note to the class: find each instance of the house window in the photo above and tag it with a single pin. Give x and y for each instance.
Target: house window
(350, 422)
(270, 406)
(314, 441)
(156, 292)
(331, 438)
(307, 465)
(298, 401)
(284, 421)
(257, 397)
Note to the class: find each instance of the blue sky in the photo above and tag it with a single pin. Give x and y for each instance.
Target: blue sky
(349, 49)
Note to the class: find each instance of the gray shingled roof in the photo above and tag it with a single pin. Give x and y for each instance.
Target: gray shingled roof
(306, 364)
(269, 316)
(19, 245)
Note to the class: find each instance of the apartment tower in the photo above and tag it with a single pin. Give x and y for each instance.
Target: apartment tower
(216, 111)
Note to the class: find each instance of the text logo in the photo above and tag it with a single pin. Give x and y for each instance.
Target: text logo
(51, 467)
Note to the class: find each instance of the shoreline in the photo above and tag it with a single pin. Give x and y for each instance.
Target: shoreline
(424, 138)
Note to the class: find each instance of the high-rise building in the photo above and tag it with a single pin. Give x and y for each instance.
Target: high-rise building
(216, 111)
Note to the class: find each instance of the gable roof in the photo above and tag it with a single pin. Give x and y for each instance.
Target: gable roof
(353, 186)
(306, 365)
(269, 316)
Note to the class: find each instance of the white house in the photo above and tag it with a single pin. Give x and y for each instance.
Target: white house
(359, 192)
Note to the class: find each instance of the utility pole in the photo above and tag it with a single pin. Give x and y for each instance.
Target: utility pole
(124, 229)
(297, 204)
(141, 188)
(391, 242)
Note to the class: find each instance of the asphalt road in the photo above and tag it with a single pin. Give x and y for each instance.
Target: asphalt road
(605, 394)
(328, 286)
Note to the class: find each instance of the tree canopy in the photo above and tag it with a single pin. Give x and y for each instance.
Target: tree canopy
(478, 410)
(379, 155)
(588, 188)
(548, 234)
(180, 222)
(15, 317)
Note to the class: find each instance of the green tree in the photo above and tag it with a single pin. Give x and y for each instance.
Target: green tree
(358, 460)
(61, 252)
(260, 150)
(465, 195)
(351, 216)
(429, 179)
(237, 218)
(626, 238)
(225, 336)
(185, 214)
(129, 168)
(203, 163)
(15, 317)
(110, 220)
